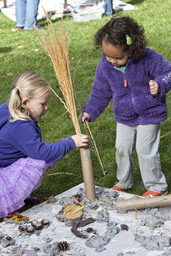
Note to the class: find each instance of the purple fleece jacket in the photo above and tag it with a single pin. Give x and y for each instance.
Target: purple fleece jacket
(21, 139)
(133, 104)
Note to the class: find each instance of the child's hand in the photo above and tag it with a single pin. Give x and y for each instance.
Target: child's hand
(84, 117)
(80, 140)
(154, 87)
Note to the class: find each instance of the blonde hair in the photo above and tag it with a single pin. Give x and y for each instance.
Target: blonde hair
(26, 85)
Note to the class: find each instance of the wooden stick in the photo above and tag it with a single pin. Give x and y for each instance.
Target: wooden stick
(142, 203)
(88, 176)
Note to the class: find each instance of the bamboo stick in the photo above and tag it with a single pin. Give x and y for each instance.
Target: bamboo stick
(142, 203)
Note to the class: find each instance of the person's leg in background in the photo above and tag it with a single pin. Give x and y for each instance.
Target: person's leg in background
(108, 7)
(20, 9)
(31, 13)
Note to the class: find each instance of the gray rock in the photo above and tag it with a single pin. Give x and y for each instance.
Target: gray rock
(95, 242)
(167, 252)
(152, 222)
(110, 195)
(103, 216)
(121, 211)
(50, 248)
(52, 199)
(7, 241)
(154, 242)
(65, 200)
(60, 217)
(29, 252)
(100, 249)
(48, 239)
(112, 229)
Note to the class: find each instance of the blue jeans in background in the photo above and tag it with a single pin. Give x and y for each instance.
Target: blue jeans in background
(26, 9)
(108, 7)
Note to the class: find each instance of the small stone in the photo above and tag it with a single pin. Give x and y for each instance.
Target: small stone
(52, 199)
(167, 252)
(21, 228)
(6, 241)
(95, 242)
(89, 230)
(29, 229)
(38, 226)
(29, 252)
(8, 238)
(34, 223)
(48, 239)
(124, 227)
(103, 216)
(45, 222)
(100, 249)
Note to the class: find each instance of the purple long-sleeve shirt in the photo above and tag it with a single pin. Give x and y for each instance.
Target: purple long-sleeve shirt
(22, 139)
(133, 104)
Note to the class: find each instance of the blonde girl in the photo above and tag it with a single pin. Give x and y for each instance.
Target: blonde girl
(23, 154)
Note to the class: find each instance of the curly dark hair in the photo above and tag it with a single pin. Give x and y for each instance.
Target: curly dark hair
(115, 31)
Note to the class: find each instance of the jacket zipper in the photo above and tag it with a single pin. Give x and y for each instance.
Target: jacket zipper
(126, 85)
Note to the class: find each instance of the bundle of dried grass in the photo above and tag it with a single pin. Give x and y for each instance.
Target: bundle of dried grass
(56, 47)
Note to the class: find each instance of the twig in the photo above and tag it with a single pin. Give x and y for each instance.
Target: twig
(164, 135)
(61, 173)
(59, 98)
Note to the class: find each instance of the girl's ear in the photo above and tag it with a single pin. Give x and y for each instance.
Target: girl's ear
(25, 101)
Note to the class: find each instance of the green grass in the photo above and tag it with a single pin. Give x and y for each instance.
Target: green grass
(18, 53)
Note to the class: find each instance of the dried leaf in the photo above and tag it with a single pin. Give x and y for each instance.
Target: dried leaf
(9, 74)
(73, 211)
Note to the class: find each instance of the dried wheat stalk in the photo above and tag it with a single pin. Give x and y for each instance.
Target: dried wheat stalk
(56, 47)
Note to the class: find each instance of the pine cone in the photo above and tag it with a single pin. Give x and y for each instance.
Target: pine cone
(62, 246)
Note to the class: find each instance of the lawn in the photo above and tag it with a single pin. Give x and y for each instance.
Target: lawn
(21, 51)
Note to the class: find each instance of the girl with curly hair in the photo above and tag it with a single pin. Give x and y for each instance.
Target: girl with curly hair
(137, 79)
